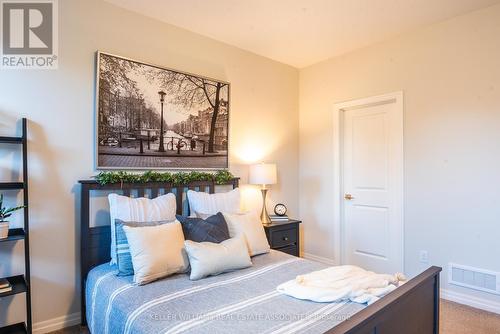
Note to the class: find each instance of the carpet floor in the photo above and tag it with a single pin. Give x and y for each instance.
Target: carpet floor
(460, 319)
(455, 319)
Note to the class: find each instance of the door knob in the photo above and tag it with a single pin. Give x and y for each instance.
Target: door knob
(348, 197)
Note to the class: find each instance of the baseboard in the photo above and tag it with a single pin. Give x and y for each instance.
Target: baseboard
(51, 325)
(319, 259)
(476, 302)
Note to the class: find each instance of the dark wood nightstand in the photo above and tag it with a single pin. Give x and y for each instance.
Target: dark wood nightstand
(284, 236)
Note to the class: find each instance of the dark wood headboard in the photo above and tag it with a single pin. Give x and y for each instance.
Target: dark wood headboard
(95, 242)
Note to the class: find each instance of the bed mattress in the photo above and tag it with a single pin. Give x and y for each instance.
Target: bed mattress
(243, 301)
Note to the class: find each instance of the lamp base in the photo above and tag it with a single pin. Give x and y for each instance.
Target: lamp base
(264, 217)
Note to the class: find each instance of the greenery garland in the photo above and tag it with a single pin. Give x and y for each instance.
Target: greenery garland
(180, 178)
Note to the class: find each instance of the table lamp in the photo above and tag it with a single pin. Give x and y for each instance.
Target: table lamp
(264, 175)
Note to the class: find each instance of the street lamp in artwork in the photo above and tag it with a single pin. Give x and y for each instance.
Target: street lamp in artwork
(162, 94)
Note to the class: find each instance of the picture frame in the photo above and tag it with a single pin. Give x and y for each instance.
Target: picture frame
(138, 104)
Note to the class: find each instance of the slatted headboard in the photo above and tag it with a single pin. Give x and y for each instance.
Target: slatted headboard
(95, 242)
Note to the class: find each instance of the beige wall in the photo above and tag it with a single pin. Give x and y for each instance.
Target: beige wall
(60, 106)
(450, 75)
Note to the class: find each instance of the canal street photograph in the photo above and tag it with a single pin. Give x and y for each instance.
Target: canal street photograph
(150, 117)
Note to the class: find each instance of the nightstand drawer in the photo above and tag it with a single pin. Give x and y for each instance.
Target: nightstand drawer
(283, 238)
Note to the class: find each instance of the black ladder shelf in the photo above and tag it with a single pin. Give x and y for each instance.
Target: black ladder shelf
(20, 283)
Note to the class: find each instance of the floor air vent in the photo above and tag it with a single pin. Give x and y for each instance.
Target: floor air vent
(474, 278)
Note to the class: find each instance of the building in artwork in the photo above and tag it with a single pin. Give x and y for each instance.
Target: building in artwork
(124, 115)
(199, 125)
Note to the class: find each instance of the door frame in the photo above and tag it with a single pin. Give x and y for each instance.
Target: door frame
(338, 188)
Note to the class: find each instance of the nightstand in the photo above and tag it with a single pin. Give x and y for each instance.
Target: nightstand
(284, 236)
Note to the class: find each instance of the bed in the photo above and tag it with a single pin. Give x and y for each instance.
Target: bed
(243, 301)
(178, 305)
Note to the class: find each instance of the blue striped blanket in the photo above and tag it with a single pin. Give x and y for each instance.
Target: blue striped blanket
(243, 301)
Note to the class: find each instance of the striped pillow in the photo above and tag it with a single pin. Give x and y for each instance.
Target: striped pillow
(123, 257)
(212, 203)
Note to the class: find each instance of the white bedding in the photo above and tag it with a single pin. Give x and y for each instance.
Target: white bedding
(335, 284)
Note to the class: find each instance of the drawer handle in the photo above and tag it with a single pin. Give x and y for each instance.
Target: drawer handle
(285, 238)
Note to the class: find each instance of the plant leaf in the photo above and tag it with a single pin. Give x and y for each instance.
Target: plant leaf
(14, 209)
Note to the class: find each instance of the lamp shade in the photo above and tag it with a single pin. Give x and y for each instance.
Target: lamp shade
(262, 174)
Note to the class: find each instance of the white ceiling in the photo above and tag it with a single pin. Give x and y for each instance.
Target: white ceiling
(301, 32)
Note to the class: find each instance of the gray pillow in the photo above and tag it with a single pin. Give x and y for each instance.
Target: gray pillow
(208, 258)
(212, 229)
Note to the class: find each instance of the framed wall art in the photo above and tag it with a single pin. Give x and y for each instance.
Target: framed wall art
(150, 117)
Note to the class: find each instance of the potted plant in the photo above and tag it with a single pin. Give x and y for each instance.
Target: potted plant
(4, 214)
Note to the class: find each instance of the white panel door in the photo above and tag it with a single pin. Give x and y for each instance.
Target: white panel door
(372, 172)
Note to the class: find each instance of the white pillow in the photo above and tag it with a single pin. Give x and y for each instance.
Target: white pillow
(250, 226)
(210, 204)
(208, 258)
(156, 251)
(139, 210)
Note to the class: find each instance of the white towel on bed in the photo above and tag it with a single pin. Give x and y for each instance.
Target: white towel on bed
(339, 283)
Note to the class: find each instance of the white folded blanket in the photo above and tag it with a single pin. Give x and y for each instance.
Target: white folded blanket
(342, 283)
